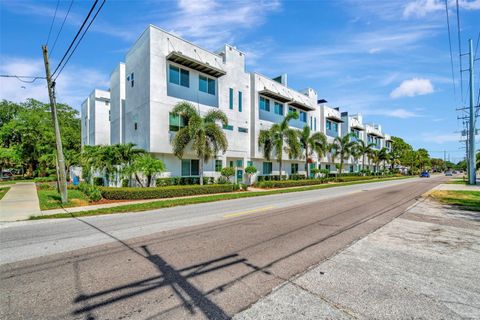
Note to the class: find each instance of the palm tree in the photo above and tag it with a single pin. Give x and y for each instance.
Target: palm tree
(203, 133)
(375, 156)
(383, 156)
(274, 139)
(148, 166)
(356, 154)
(342, 147)
(365, 150)
(316, 142)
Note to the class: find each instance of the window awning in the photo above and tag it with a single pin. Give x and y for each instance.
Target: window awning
(301, 105)
(189, 62)
(358, 127)
(275, 95)
(334, 118)
(376, 134)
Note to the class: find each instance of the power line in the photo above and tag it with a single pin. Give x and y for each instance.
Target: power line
(53, 20)
(80, 40)
(476, 48)
(76, 36)
(33, 79)
(61, 27)
(451, 55)
(460, 51)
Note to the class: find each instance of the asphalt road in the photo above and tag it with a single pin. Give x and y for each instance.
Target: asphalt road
(212, 261)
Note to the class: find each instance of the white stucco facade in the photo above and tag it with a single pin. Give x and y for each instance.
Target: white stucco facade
(95, 118)
(161, 70)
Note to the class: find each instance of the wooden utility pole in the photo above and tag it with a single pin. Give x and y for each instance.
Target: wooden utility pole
(61, 176)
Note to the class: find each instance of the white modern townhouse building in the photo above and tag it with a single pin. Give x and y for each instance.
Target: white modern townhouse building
(95, 118)
(117, 104)
(161, 70)
(353, 124)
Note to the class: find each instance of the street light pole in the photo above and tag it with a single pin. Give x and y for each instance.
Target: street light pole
(61, 172)
(471, 128)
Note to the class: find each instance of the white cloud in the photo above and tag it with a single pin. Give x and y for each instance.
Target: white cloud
(413, 87)
(421, 8)
(395, 113)
(213, 23)
(73, 85)
(440, 138)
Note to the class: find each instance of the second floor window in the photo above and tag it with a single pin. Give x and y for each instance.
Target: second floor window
(303, 116)
(264, 104)
(278, 108)
(179, 76)
(206, 85)
(230, 97)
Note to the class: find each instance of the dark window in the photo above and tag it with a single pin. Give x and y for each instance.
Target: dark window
(135, 126)
(230, 101)
(294, 168)
(206, 85)
(264, 104)
(179, 76)
(218, 165)
(240, 101)
(244, 130)
(228, 127)
(278, 108)
(267, 168)
(303, 116)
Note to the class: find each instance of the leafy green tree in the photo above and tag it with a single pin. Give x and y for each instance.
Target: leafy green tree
(478, 160)
(250, 171)
(376, 158)
(401, 150)
(148, 166)
(384, 156)
(364, 150)
(342, 147)
(28, 127)
(8, 158)
(278, 139)
(227, 172)
(312, 143)
(204, 135)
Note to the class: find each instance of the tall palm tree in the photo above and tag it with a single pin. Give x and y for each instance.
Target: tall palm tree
(364, 149)
(356, 154)
(383, 156)
(342, 147)
(312, 143)
(280, 138)
(375, 156)
(125, 155)
(203, 133)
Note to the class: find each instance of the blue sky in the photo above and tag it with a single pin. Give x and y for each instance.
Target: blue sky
(386, 59)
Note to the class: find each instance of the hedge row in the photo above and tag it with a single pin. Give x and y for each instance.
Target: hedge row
(163, 192)
(174, 181)
(288, 183)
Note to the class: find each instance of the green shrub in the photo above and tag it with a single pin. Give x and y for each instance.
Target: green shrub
(125, 183)
(92, 192)
(162, 192)
(98, 181)
(287, 183)
(222, 180)
(297, 176)
(45, 179)
(184, 181)
(227, 172)
(270, 178)
(45, 186)
(244, 187)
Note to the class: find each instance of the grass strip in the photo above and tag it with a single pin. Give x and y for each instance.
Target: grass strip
(50, 199)
(196, 200)
(3, 191)
(463, 199)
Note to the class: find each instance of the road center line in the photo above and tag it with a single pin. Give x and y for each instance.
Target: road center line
(248, 212)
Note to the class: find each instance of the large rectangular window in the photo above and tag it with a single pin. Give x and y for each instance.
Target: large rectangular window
(240, 101)
(315, 123)
(278, 108)
(218, 165)
(267, 168)
(303, 116)
(294, 168)
(335, 126)
(244, 130)
(329, 125)
(190, 167)
(206, 85)
(227, 127)
(264, 104)
(175, 122)
(292, 110)
(230, 96)
(179, 76)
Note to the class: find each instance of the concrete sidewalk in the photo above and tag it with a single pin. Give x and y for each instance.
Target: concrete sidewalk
(423, 265)
(20, 202)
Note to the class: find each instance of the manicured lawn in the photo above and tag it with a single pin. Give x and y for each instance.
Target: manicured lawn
(3, 191)
(50, 199)
(468, 200)
(202, 199)
(14, 181)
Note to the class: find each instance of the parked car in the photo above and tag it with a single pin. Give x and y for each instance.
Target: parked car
(425, 174)
(448, 173)
(6, 175)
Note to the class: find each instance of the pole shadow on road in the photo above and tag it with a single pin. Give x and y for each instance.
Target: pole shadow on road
(191, 298)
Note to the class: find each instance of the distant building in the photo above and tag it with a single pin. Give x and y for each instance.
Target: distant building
(95, 119)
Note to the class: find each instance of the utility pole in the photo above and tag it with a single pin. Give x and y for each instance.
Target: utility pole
(61, 176)
(471, 129)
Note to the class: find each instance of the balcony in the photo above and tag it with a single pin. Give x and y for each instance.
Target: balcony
(277, 118)
(189, 62)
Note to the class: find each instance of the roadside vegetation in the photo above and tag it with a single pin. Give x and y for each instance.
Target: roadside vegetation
(201, 199)
(467, 200)
(3, 191)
